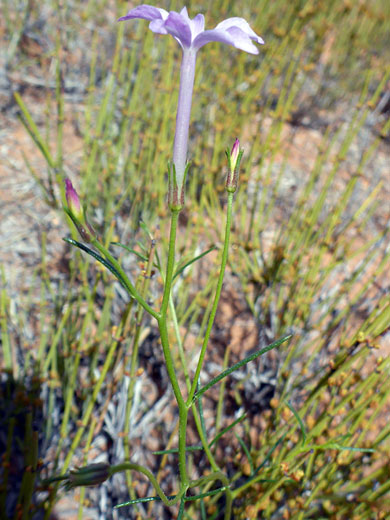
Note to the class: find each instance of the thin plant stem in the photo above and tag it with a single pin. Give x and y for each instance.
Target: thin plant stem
(216, 297)
(195, 413)
(170, 262)
(163, 328)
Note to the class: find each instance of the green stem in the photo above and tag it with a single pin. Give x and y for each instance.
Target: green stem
(163, 328)
(216, 297)
(196, 416)
(170, 262)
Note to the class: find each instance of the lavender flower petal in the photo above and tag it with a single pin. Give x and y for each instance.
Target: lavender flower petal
(215, 35)
(241, 24)
(242, 41)
(196, 25)
(158, 27)
(178, 26)
(146, 12)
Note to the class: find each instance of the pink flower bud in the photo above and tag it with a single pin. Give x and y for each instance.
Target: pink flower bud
(73, 200)
(234, 154)
(76, 212)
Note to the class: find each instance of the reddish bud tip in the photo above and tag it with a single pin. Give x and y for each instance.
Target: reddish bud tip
(234, 154)
(73, 200)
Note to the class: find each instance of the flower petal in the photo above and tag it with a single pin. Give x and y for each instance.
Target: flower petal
(146, 12)
(184, 13)
(177, 25)
(197, 25)
(158, 27)
(242, 41)
(215, 35)
(242, 24)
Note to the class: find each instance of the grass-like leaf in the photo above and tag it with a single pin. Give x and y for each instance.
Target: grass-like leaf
(247, 452)
(299, 420)
(240, 364)
(225, 430)
(133, 251)
(97, 257)
(175, 450)
(187, 264)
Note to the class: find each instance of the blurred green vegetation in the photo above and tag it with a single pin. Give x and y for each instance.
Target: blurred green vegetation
(305, 252)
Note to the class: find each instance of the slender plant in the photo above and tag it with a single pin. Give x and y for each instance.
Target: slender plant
(191, 36)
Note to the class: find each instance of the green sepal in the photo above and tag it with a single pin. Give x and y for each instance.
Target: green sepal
(83, 232)
(188, 165)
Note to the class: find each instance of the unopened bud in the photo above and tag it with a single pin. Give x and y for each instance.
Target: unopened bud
(73, 200)
(76, 212)
(234, 158)
(90, 475)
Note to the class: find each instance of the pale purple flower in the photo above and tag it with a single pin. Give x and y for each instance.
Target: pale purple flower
(191, 36)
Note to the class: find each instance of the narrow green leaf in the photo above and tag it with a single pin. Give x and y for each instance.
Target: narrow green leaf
(208, 494)
(203, 513)
(136, 253)
(335, 444)
(146, 229)
(240, 364)
(142, 501)
(97, 257)
(157, 498)
(247, 453)
(269, 454)
(301, 425)
(225, 430)
(175, 450)
(187, 264)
